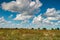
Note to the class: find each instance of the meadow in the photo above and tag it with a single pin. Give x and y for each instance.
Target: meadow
(29, 34)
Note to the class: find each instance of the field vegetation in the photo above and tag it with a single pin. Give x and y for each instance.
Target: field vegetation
(29, 34)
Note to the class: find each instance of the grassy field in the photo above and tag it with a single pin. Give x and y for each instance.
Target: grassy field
(27, 34)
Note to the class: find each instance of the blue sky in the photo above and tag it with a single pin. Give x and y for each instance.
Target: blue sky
(36, 13)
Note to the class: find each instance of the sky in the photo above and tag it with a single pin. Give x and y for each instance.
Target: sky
(29, 14)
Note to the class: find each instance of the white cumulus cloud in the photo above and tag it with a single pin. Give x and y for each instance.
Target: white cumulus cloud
(4, 23)
(52, 14)
(37, 19)
(52, 18)
(26, 7)
(22, 17)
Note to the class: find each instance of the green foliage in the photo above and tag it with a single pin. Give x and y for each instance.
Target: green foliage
(38, 28)
(52, 28)
(44, 29)
(32, 28)
(57, 28)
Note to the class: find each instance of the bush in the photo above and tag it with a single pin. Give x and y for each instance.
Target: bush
(52, 28)
(38, 28)
(32, 28)
(44, 28)
(16, 28)
(57, 28)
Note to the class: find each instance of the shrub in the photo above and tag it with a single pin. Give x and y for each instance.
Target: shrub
(38, 28)
(52, 28)
(57, 28)
(44, 28)
(32, 28)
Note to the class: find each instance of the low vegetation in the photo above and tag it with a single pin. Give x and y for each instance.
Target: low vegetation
(29, 34)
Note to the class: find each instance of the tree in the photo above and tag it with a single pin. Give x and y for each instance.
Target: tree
(38, 28)
(16, 28)
(32, 28)
(57, 28)
(52, 29)
(44, 28)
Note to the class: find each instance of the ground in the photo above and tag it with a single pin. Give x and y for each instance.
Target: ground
(29, 34)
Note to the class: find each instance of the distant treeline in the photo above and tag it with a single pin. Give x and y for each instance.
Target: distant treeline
(34, 28)
(47, 29)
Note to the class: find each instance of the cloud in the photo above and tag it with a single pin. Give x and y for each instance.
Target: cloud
(22, 17)
(50, 18)
(27, 9)
(52, 14)
(9, 24)
(24, 7)
(2, 20)
(4, 23)
(32, 3)
(37, 19)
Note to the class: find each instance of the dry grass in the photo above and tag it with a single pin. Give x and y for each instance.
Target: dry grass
(26, 34)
